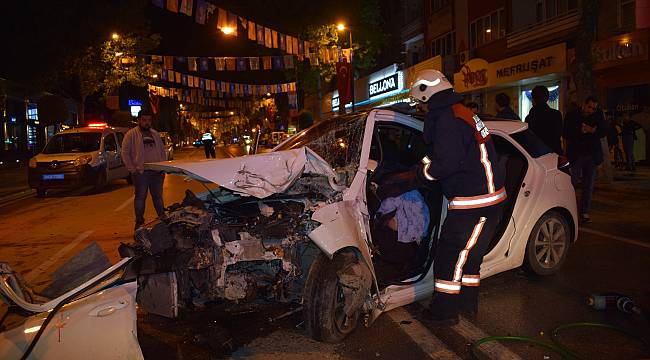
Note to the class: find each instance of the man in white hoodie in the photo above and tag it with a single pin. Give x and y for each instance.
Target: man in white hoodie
(141, 145)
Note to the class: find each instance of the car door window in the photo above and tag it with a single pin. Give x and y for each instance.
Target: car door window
(109, 143)
(397, 143)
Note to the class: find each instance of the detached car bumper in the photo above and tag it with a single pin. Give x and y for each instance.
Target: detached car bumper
(63, 178)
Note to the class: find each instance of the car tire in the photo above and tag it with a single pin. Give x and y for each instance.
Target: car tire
(323, 300)
(548, 244)
(40, 192)
(102, 180)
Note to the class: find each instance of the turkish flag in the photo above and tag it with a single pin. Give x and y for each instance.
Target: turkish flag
(344, 79)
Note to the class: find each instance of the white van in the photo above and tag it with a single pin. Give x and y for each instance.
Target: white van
(77, 157)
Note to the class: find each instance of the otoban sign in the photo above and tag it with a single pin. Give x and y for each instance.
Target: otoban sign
(478, 73)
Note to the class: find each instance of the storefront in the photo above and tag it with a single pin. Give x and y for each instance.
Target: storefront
(622, 70)
(516, 76)
(387, 86)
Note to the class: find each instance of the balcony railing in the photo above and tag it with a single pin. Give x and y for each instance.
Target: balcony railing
(532, 32)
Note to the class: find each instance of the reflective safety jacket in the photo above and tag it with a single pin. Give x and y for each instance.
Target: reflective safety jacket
(207, 138)
(461, 154)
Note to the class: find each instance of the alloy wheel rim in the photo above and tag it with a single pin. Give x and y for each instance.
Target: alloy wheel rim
(343, 322)
(550, 243)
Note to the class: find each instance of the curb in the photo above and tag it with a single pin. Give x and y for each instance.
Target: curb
(17, 196)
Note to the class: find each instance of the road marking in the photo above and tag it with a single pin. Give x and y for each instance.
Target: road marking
(617, 238)
(125, 204)
(54, 258)
(428, 342)
(493, 350)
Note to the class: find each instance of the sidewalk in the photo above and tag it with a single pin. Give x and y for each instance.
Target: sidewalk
(13, 183)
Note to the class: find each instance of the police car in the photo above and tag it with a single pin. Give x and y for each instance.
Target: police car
(89, 155)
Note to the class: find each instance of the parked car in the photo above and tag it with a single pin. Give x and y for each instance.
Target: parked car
(77, 157)
(296, 225)
(197, 143)
(168, 144)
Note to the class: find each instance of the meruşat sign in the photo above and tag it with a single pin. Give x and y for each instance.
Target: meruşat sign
(384, 85)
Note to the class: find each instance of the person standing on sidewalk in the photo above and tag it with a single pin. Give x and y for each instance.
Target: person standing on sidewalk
(141, 145)
(583, 128)
(208, 144)
(545, 121)
(628, 136)
(504, 111)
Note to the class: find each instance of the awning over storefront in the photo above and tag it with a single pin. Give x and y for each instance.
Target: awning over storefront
(479, 74)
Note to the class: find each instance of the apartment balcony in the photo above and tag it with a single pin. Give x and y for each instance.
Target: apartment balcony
(557, 27)
(412, 29)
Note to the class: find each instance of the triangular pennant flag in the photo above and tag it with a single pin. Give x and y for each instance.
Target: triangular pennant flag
(277, 63)
(171, 76)
(289, 44)
(288, 62)
(186, 7)
(231, 64)
(202, 83)
(191, 64)
(168, 62)
(220, 64)
(184, 79)
(260, 34)
(172, 5)
(254, 63)
(222, 18)
(267, 62)
(295, 45)
(178, 77)
(274, 39)
(163, 76)
(241, 64)
(252, 31)
(268, 42)
(282, 41)
(201, 10)
(204, 64)
(301, 47)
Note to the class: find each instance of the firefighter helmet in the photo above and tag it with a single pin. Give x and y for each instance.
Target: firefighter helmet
(427, 83)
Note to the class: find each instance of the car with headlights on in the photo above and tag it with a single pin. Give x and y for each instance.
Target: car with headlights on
(73, 158)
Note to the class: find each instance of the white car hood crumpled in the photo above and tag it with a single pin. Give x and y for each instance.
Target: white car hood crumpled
(259, 175)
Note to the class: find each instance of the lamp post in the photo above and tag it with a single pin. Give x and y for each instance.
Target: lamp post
(341, 27)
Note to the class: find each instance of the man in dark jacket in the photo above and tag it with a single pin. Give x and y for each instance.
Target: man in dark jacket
(544, 121)
(462, 157)
(504, 111)
(583, 128)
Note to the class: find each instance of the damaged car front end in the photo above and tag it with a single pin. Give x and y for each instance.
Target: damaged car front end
(281, 226)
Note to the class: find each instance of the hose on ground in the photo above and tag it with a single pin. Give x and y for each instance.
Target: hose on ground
(555, 345)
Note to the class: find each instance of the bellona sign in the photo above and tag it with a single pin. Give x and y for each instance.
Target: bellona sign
(384, 85)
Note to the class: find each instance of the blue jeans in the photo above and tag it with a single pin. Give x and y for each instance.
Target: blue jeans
(584, 167)
(152, 182)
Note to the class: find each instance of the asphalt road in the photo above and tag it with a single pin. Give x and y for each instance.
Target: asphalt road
(611, 255)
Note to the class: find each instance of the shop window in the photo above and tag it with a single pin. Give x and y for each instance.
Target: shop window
(487, 28)
(444, 45)
(526, 100)
(626, 14)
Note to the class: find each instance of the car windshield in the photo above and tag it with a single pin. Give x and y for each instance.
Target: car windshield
(73, 143)
(338, 141)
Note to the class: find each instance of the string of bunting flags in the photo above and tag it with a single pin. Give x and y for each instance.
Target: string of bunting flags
(199, 97)
(205, 12)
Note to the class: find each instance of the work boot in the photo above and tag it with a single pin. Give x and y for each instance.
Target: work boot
(437, 319)
(138, 224)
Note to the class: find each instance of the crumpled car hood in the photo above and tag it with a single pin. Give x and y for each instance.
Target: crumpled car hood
(259, 175)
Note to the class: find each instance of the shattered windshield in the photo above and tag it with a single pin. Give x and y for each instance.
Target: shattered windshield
(338, 141)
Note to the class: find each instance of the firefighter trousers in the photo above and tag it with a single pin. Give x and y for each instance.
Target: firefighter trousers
(466, 235)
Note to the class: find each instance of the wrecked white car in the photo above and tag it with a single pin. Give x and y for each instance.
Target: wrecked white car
(305, 223)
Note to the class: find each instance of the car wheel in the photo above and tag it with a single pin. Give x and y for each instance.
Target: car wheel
(325, 319)
(548, 244)
(40, 192)
(102, 180)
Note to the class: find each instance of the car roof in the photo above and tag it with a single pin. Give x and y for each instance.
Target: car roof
(85, 130)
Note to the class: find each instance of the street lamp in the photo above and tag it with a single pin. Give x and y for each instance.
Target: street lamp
(228, 30)
(341, 27)
(115, 36)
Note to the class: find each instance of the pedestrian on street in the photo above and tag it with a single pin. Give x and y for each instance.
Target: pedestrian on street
(583, 128)
(628, 136)
(545, 121)
(504, 111)
(141, 145)
(614, 141)
(462, 157)
(208, 144)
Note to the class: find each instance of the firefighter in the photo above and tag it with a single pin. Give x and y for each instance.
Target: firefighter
(208, 144)
(461, 156)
